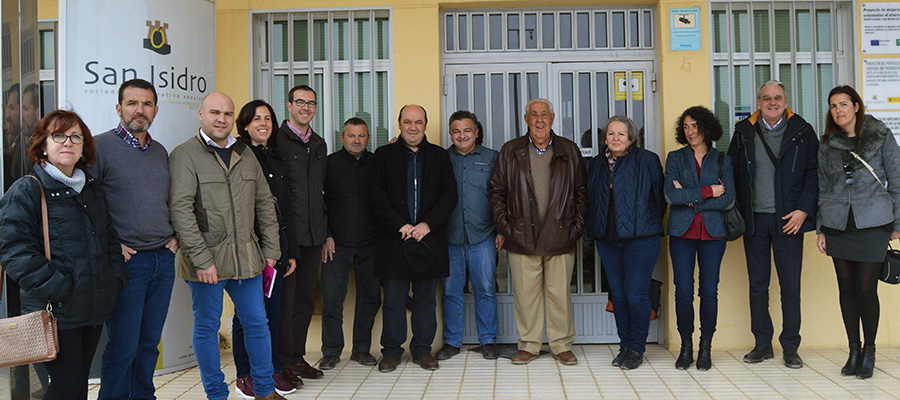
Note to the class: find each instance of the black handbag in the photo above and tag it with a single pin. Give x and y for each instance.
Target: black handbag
(890, 270)
(734, 222)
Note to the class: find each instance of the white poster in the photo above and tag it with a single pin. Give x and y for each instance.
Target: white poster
(892, 120)
(880, 29)
(881, 83)
(170, 43)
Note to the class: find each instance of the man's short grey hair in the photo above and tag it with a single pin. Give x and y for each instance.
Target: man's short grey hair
(771, 83)
(633, 135)
(536, 100)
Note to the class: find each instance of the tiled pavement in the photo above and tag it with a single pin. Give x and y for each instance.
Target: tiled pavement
(468, 376)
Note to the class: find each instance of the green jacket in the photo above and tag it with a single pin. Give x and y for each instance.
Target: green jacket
(215, 207)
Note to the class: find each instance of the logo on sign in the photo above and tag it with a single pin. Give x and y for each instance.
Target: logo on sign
(157, 40)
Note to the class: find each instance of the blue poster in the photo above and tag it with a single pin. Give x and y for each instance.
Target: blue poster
(684, 28)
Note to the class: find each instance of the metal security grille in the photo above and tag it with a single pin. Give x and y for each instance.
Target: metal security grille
(620, 28)
(805, 45)
(345, 55)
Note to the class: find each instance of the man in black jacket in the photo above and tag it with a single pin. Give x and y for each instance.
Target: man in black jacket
(775, 146)
(303, 151)
(412, 193)
(350, 242)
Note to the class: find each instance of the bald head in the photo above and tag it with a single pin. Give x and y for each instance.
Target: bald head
(217, 117)
(412, 125)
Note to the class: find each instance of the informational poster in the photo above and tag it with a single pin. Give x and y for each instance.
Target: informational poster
(891, 119)
(880, 29)
(637, 89)
(171, 44)
(881, 83)
(684, 28)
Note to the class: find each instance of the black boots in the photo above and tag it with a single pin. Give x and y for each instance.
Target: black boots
(704, 358)
(686, 356)
(852, 361)
(867, 363)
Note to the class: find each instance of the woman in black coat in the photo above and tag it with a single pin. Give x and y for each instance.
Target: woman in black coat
(256, 126)
(86, 270)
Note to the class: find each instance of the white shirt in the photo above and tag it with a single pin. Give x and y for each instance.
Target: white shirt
(230, 140)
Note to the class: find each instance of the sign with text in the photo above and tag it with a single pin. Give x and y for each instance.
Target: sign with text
(881, 83)
(684, 28)
(880, 29)
(169, 43)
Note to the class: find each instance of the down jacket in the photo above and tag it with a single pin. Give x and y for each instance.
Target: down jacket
(872, 205)
(87, 270)
(638, 186)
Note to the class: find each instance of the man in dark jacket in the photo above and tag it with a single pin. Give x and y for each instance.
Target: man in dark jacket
(303, 151)
(350, 243)
(539, 199)
(774, 153)
(412, 193)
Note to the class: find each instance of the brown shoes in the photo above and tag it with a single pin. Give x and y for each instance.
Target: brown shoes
(271, 396)
(291, 378)
(427, 362)
(566, 358)
(304, 370)
(523, 357)
(388, 363)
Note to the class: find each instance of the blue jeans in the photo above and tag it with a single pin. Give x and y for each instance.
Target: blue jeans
(335, 275)
(273, 308)
(247, 296)
(766, 243)
(708, 256)
(481, 260)
(629, 265)
(135, 326)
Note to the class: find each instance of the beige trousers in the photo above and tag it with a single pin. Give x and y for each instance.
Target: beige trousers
(541, 287)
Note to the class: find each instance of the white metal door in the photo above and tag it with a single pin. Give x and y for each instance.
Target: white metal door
(584, 95)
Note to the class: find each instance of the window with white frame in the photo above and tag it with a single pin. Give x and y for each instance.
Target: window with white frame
(345, 55)
(47, 64)
(808, 46)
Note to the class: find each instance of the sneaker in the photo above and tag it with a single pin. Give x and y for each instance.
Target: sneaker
(244, 386)
(282, 386)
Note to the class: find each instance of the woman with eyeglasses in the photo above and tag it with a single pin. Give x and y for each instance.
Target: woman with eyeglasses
(859, 212)
(86, 270)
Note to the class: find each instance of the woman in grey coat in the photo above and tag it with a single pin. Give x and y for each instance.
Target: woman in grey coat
(859, 212)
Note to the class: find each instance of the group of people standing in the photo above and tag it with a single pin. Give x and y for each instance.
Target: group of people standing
(272, 204)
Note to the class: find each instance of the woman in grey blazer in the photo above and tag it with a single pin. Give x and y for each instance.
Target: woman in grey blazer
(859, 212)
(699, 185)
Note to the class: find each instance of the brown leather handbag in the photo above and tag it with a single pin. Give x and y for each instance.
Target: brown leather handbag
(32, 337)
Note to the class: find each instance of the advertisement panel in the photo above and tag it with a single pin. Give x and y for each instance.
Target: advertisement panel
(170, 43)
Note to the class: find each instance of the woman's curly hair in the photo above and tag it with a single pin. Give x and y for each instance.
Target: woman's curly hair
(707, 123)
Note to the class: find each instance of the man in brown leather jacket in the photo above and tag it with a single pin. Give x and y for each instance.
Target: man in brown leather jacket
(539, 199)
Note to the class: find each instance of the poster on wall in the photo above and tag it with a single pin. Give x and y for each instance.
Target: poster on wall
(891, 119)
(170, 43)
(684, 32)
(880, 28)
(881, 83)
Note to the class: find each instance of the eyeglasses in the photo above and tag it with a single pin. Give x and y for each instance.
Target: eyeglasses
(75, 138)
(849, 180)
(300, 103)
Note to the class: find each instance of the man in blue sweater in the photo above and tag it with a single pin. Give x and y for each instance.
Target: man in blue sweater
(134, 172)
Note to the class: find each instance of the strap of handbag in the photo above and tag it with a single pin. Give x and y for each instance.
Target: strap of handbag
(868, 167)
(766, 145)
(44, 226)
(721, 162)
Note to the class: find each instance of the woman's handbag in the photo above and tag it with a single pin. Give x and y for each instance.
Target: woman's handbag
(734, 222)
(32, 337)
(890, 270)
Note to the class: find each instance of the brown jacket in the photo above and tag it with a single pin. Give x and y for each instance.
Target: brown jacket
(514, 207)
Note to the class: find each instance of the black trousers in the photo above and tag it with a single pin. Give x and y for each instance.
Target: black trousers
(298, 305)
(69, 371)
(423, 319)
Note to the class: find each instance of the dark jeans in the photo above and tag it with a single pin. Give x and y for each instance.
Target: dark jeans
(335, 275)
(760, 247)
(135, 326)
(707, 255)
(423, 319)
(273, 308)
(629, 265)
(298, 305)
(69, 371)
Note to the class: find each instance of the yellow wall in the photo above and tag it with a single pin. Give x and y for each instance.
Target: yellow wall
(417, 80)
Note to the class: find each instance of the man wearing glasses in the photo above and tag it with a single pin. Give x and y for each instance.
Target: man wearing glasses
(775, 153)
(303, 151)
